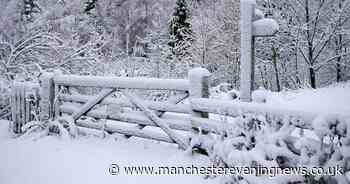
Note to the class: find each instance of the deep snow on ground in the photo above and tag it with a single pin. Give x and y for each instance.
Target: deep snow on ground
(86, 159)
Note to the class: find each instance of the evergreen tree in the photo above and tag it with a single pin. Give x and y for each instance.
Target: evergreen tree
(90, 5)
(180, 31)
(30, 8)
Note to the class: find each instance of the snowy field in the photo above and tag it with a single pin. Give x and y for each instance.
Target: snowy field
(86, 160)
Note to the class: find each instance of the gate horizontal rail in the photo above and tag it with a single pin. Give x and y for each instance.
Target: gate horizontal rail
(122, 82)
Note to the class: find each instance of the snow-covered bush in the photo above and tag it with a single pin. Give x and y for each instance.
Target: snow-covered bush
(63, 126)
(260, 95)
(269, 142)
(224, 91)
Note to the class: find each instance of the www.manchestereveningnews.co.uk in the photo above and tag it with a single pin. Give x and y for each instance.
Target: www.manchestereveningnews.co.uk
(115, 169)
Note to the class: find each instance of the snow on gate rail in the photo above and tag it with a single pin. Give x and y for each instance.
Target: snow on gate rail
(122, 82)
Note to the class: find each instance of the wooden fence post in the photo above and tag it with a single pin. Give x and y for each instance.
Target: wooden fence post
(252, 25)
(199, 87)
(247, 50)
(18, 107)
(47, 97)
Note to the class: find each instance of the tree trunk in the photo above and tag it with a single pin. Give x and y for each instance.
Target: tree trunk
(339, 78)
(339, 59)
(310, 61)
(297, 78)
(312, 77)
(262, 75)
(339, 49)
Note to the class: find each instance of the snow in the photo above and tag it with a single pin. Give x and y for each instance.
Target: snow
(249, 2)
(86, 160)
(269, 142)
(199, 73)
(197, 78)
(328, 100)
(258, 14)
(332, 101)
(316, 105)
(224, 91)
(265, 27)
(259, 96)
(122, 82)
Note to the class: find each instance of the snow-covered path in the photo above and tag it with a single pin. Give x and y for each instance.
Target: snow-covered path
(86, 160)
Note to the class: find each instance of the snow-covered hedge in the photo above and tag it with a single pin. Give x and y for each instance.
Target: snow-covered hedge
(267, 141)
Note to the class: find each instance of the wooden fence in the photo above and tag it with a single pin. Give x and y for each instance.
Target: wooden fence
(57, 97)
(24, 104)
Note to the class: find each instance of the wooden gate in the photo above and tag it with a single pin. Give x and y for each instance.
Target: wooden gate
(119, 100)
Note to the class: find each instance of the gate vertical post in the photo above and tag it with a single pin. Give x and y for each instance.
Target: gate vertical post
(47, 97)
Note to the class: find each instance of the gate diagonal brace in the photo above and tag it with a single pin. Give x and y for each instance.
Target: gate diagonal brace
(153, 117)
(92, 102)
(173, 100)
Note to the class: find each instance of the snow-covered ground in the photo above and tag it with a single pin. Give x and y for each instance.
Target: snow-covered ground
(86, 160)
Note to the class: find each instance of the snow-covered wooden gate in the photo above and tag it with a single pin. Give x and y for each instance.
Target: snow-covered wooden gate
(118, 101)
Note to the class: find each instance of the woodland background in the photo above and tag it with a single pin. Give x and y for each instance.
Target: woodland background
(165, 38)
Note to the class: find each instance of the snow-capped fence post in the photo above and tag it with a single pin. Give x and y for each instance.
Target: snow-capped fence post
(252, 24)
(47, 96)
(199, 87)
